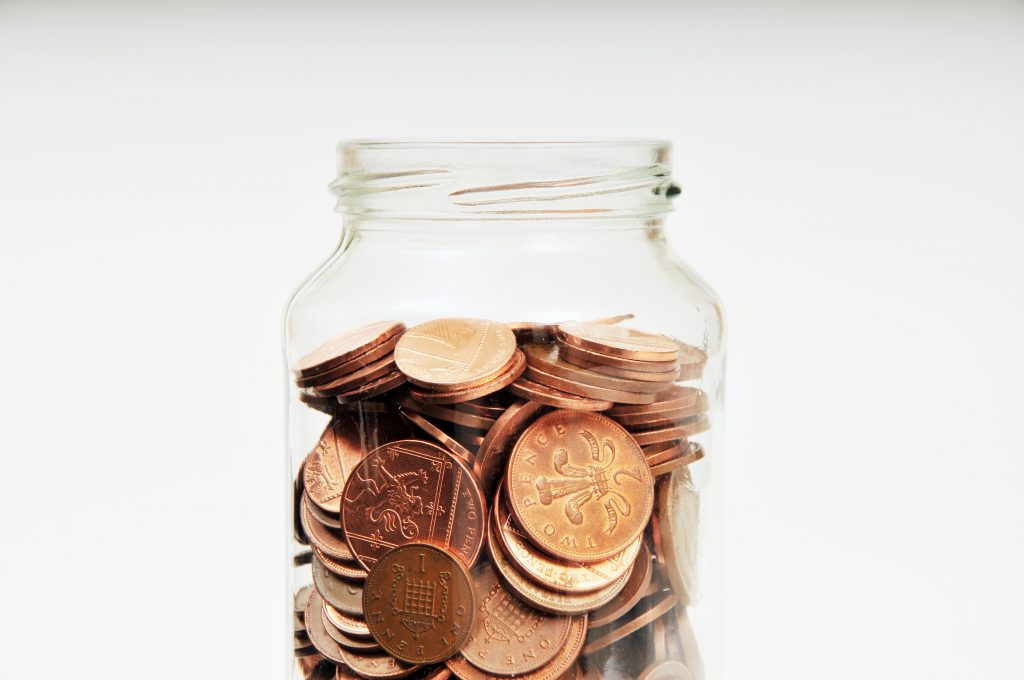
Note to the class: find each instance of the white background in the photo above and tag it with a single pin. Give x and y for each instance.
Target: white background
(852, 186)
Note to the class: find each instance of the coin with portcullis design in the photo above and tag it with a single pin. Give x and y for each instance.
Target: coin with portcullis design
(412, 491)
(419, 603)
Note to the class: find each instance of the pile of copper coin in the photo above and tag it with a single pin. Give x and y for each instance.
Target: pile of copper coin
(500, 500)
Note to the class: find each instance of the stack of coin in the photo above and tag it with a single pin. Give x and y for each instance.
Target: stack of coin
(457, 360)
(582, 563)
(354, 366)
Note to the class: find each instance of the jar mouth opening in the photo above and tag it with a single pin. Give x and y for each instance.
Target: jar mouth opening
(473, 178)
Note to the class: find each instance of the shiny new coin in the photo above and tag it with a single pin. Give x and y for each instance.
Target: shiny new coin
(618, 341)
(454, 353)
(579, 486)
(347, 346)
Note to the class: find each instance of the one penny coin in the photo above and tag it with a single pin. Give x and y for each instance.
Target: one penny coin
(454, 353)
(346, 346)
(553, 573)
(553, 670)
(579, 486)
(350, 625)
(618, 341)
(419, 603)
(412, 491)
(509, 637)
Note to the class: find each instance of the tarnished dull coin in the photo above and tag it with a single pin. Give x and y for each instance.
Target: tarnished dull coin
(419, 603)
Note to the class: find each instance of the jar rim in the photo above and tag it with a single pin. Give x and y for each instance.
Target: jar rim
(505, 142)
(503, 178)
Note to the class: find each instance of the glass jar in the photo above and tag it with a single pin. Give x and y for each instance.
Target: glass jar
(504, 359)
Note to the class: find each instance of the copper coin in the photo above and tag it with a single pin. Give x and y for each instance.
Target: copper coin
(509, 637)
(670, 374)
(543, 598)
(670, 466)
(451, 396)
(419, 603)
(635, 589)
(489, 464)
(348, 642)
(533, 391)
(648, 614)
(326, 518)
(685, 428)
(438, 434)
(346, 346)
(454, 353)
(553, 573)
(666, 670)
(584, 390)
(678, 397)
(491, 409)
(412, 491)
(345, 596)
(449, 414)
(375, 665)
(593, 361)
(546, 359)
(679, 518)
(323, 642)
(330, 541)
(653, 421)
(618, 341)
(346, 570)
(350, 625)
(359, 378)
(345, 441)
(579, 486)
(562, 661)
(373, 388)
(349, 367)
(666, 451)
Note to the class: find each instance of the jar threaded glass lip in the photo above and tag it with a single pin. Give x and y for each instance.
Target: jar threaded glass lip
(419, 178)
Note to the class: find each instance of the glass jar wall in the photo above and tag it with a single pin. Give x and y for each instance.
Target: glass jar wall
(505, 400)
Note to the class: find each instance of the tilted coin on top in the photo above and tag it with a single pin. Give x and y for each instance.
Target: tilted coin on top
(448, 354)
